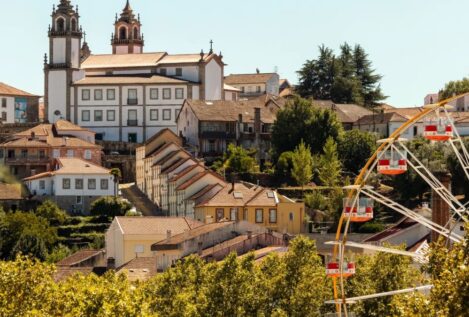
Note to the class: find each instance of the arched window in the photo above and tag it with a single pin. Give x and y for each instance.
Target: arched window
(122, 33)
(135, 33)
(74, 25)
(60, 25)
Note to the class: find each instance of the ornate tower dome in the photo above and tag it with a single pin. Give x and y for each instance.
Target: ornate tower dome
(127, 37)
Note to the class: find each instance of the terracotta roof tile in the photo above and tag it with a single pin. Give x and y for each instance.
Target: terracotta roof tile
(156, 225)
(122, 60)
(234, 79)
(139, 269)
(6, 90)
(78, 257)
(71, 166)
(226, 196)
(196, 178)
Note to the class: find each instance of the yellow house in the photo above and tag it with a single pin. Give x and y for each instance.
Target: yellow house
(131, 237)
(257, 205)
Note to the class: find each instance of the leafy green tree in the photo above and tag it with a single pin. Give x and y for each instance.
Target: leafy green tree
(355, 148)
(330, 166)
(50, 211)
(454, 88)
(25, 233)
(284, 165)
(110, 206)
(239, 160)
(298, 121)
(302, 161)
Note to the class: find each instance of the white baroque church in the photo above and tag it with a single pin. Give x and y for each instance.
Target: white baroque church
(128, 95)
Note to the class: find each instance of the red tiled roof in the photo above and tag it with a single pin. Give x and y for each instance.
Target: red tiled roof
(79, 257)
(196, 178)
(7, 90)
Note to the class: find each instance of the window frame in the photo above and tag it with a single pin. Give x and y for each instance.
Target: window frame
(108, 91)
(219, 214)
(95, 112)
(165, 97)
(42, 184)
(79, 183)
(153, 111)
(70, 153)
(157, 93)
(113, 115)
(91, 181)
(83, 116)
(262, 215)
(79, 200)
(166, 111)
(95, 94)
(234, 211)
(83, 91)
(87, 155)
(270, 215)
(104, 181)
(4, 102)
(178, 72)
(179, 97)
(66, 181)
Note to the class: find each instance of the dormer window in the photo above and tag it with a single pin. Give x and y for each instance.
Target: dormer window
(60, 25)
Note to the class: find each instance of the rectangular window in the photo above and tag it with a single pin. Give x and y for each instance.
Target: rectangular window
(85, 115)
(78, 183)
(79, 200)
(85, 94)
(132, 137)
(154, 114)
(111, 94)
(132, 97)
(87, 155)
(166, 93)
(178, 72)
(70, 153)
(104, 184)
(132, 118)
(4, 116)
(4, 102)
(42, 185)
(273, 215)
(154, 93)
(163, 71)
(66, 183)
(98, 94)
(234, 214)
(98, 115)
(92, 183)
(111, 115)
(220, 214)
(56, 153)
(24, 154)
(179, 93)
(42, 154)
(167, 114)
(259, 215)
(291, 216)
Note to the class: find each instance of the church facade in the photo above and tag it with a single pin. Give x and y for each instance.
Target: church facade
(128, 95)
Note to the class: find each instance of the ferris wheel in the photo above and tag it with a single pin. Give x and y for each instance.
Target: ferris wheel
(392, 158)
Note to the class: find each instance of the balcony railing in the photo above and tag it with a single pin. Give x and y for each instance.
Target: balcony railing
(127, 41)
(65, 33)
(218, 135)
(132, 101)
(132, 123)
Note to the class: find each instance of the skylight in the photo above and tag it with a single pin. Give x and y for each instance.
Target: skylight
(238, 195)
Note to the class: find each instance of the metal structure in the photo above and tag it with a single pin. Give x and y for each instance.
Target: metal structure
(393, 158)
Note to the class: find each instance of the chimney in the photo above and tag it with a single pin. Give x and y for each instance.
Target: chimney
(440, 209)
(111, 263)
(168, 234)
(257, 120)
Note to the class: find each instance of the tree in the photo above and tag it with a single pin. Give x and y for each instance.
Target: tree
(302, 162)
(239, 160)
(355, 148)
(110, 206)
(454, 88)
(300, 120)
(284, 164)
(330, 166)
(50, 211)
(117, 175)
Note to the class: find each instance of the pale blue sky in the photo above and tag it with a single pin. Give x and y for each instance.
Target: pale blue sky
(417, 45)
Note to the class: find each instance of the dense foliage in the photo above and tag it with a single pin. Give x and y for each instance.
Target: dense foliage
(110, 206)
(355, 148)
(346, 78)
(454, 88)
(302, 164)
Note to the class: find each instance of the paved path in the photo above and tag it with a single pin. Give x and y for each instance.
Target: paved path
(143, 204)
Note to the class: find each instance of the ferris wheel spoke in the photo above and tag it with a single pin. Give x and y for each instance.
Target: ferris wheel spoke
(412, 215)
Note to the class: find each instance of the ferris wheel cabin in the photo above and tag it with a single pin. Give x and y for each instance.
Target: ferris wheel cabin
(361, 211)
(438, 129)
(333, 269)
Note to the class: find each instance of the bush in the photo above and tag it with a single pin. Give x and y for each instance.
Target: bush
(371, 227)
(110, 206)
(50, 211)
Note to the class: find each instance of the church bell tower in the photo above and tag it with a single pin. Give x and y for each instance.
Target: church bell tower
(63, 64)
(127, 37)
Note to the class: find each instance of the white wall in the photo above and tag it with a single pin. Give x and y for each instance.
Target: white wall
(57, 94)
(160, 100)
(59, 50)
(188, 124)
(109, 134)
(10, 109)
(92, 101)
(75, 58)
(213, 81)
(195, 93)
(92, 122)
(59, 191)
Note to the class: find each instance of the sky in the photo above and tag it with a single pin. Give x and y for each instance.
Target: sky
(417, 45)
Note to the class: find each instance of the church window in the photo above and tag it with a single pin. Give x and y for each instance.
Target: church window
(98, 115)
(179, 93)
(74, 25)
(85, 94)
(167, 93)
(135, 33)
(123, 33)
(60, 23)
(111, 115)
(85, 115)
(111, 94)
(154, 114)
(98, 94)
(154, 93)
(167, 114)
(178, 71)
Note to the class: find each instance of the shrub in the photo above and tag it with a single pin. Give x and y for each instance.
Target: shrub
(110, 206)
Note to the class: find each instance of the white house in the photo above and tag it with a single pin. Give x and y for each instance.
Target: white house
(74, 184)
(128, 95)
(17, 106)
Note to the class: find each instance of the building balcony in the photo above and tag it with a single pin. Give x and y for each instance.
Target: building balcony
(132, 101)
(31, 159)
(132, 123)
(218, 135)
